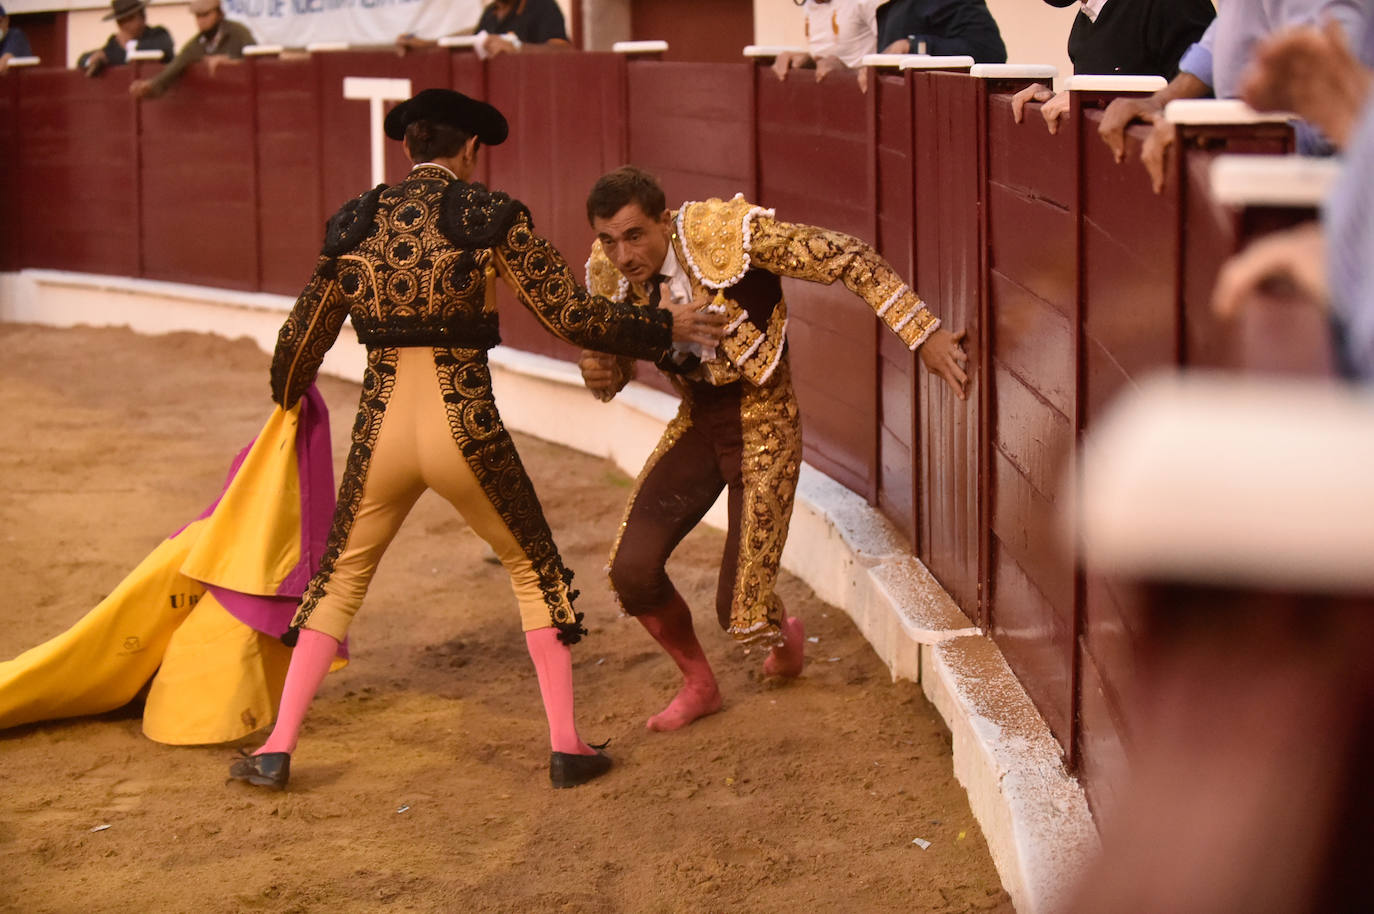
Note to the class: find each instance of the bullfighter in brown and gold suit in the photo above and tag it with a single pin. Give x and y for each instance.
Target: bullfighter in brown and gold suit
(413, 265)
(738, 427)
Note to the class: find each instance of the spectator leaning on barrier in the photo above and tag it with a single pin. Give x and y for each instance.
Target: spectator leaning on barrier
(132, 33)
(218, 39)
(1126, 37)
(13, 42)
(839, 33)
(1330, 264)
(1213, 67)
(508, 27)
(941, 27)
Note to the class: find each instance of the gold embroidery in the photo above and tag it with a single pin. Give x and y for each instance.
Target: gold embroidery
(770, 465)
(820, 255)
(716, 238)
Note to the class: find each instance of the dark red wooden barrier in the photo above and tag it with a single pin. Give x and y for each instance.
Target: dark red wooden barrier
(1215, 233)
(815, 145)
(1033, 303)
(10, 130)
(897, 211)
(198, 148)
(78, 174)
(1066, 271)
(692, 125)
(290, 147)
(950, 169)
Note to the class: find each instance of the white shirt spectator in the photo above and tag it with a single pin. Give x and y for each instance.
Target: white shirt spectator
(847, 29)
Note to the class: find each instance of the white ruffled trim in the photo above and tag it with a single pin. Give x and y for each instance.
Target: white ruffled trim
(777, 356)
(745, 356)
(892, 299)
(747, 228)
(925, 336)
(734, 324)
(911, 315)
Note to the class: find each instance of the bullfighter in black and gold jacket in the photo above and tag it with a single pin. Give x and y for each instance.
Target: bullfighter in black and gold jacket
(413, 265)
(738, 428)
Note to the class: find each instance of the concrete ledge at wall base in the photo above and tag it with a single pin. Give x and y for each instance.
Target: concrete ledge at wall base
(1035, 818)
(1033, 814)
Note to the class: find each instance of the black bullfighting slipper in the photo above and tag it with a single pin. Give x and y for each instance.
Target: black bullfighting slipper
(270, 769)
(568, 769)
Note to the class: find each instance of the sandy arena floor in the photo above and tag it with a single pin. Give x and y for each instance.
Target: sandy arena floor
(801, 796)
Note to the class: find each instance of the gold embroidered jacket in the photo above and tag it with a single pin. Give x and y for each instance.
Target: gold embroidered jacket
(736, 250)
(413, 264)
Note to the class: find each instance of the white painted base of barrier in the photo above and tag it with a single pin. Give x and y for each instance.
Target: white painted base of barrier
(1034, 816)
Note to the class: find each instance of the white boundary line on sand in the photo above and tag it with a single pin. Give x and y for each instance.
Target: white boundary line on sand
(1033, 814)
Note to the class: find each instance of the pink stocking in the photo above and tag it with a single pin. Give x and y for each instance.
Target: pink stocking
(553, 666)
(671, 626)
(310, 660)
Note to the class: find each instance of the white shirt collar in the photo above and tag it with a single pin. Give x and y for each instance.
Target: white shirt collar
(448, 171)
(1092, 8)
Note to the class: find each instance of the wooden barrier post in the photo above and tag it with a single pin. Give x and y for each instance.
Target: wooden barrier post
(1031, 406)
(950, 231)
(1260, 194)
(1206, 128)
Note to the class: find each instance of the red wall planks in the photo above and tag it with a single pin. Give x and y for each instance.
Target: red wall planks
(703, 30)
(78, 176)
(949, 241)
(10, 130)
(289, 150)
(897, 210)
(198, 156)
(692, 126)
(815, 144)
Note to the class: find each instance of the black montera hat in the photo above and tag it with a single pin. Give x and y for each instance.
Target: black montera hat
(444, 106)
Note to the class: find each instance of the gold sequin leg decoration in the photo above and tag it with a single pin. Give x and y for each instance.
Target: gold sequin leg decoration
(770, 423)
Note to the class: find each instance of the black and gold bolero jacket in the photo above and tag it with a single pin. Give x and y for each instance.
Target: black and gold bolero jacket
(413, 264)
(738, 251)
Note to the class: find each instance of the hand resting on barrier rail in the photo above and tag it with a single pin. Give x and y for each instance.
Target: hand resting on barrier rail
(1290, 265)
(1056, 104)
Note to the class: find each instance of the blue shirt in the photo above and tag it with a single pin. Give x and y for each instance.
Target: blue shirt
(1348, 220)
(1220, 56)
(15, 43)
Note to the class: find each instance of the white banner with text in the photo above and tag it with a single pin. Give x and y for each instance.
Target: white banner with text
(297, 23)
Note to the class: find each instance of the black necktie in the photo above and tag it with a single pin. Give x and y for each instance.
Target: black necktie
(655, 289)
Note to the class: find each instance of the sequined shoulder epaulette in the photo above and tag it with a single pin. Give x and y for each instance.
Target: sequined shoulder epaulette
(471, 216)
(603, 278)
(715, 237)
(347, 228)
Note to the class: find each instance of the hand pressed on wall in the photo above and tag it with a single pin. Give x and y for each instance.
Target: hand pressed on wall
(943, 354)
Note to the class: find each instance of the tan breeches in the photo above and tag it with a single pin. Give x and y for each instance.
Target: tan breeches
(415, 450)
